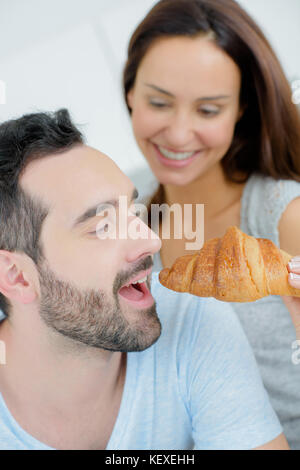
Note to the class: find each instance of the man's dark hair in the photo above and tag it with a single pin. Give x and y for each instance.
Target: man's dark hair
(23, 140)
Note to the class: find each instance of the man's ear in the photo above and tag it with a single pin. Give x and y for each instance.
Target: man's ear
(15, 282)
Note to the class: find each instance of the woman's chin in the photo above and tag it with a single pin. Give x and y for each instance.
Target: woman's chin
(167, 177)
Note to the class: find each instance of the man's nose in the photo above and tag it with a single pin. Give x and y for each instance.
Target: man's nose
(143, 241)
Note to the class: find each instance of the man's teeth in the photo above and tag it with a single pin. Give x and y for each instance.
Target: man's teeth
(140, 281)
(175, 156)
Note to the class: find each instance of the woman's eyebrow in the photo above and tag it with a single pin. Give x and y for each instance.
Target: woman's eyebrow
(160, 90)
(203, 98)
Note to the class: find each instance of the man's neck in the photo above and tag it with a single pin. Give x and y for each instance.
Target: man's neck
(43, 380)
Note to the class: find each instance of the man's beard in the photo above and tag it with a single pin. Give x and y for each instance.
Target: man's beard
(93, 319)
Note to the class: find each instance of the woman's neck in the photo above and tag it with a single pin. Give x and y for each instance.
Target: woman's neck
(211, 189)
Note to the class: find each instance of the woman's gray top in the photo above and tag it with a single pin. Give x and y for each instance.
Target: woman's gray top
(267, 321)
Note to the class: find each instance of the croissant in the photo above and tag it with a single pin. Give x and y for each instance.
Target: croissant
(234, 268)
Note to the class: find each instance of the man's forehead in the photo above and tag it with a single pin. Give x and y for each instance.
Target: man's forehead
(74, 178)
(80, 165)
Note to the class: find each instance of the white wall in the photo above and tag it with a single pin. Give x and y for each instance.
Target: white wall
(70, 53)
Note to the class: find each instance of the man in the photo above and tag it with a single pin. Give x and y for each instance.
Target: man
(92, 361)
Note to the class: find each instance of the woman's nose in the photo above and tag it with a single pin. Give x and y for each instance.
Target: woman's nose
(180, 131)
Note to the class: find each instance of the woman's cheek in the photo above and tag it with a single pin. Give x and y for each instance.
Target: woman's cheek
(220, 134)
(139, 121)
(146, 122)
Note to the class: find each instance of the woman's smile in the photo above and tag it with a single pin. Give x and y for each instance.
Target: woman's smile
(175, 160)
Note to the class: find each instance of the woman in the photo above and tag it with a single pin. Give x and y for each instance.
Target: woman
(212, 113)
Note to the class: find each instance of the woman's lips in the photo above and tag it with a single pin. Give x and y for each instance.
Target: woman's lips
(174, 163)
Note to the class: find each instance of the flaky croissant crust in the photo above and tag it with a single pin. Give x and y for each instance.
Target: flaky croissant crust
(234, 268)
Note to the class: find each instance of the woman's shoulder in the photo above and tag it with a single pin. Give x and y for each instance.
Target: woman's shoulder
(289, 228)
(268, 203)
(271, 194)
(273, 189)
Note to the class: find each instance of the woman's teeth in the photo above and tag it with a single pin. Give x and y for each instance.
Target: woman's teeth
(175, 156)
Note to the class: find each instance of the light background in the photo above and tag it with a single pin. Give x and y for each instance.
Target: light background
(70, 53)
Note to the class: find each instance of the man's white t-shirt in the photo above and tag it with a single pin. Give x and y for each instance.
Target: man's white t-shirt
(197, 387)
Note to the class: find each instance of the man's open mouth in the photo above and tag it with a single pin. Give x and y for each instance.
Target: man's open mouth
(137, 293)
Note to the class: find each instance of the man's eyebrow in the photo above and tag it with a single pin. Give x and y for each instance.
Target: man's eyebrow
(203, 98)
(97, 208)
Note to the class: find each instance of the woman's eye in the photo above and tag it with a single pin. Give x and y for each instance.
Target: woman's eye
(158, 104)
(209, 111)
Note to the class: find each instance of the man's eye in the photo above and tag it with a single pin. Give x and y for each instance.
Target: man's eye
(103, 228)
(135, 211)
(100, 229)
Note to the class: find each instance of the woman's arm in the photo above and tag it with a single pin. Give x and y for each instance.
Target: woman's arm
(279, 443)
(289, 228)
(289, 236)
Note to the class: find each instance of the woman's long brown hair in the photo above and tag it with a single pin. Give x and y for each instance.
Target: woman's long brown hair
(267, 137)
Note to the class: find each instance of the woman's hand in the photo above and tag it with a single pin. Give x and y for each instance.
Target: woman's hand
(293, 303)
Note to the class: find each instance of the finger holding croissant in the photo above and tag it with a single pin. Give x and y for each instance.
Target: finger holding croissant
(235, 268)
